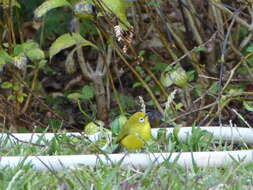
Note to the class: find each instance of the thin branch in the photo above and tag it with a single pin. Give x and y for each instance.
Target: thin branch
(237, 19)
(26, 142)
(222, 63)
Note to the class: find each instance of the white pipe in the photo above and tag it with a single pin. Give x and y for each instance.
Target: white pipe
(44, 137)
(235, 134)
(34, 137)
(140, 161)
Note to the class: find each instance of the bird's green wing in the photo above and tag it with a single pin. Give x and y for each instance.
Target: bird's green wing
(124, 131)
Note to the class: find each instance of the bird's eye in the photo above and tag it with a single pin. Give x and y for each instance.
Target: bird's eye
(141, 119)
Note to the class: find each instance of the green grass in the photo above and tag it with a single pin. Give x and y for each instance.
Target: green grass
(163, 176)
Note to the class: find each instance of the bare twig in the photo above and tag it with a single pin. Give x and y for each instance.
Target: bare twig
(26, 142)
(222, 63)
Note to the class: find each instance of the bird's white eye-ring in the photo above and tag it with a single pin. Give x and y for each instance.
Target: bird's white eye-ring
(141, 119)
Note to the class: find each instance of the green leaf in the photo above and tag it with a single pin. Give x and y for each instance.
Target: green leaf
(18, 49)
(161, 133)
(139, 69)
(117, 123)
(6, 4)
(66, 41)
(35, 54)
(16, 86)
(179, 77)
(4, 56)
(147, 78)
(190, 75)
(75, 95)
(11, 97)
(127, 101)
(92, 127)
(21, 49)
(87, 92)
(214, 88)
(22, 129)
(159, 67)
(20, 97)
(248, 105)
(30, 45)
(137, 84)
(63, 42)
(165, 79)
(48, 5)
(142, 53)
(176, 131)
(42, 63)
(179, 106)
(175, 75)
(6, 84)
(243, 32)
(2, 62)
(200, 49)
(249, 49)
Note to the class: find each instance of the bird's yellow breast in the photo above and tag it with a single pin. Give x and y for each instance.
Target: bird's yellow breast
(132, 142)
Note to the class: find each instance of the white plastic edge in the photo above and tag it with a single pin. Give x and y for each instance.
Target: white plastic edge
(234, 134)
(136, 160)
(141, 160)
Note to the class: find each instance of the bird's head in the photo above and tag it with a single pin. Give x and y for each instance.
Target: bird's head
(139, 118)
